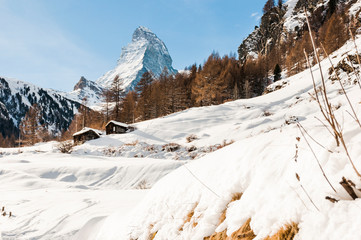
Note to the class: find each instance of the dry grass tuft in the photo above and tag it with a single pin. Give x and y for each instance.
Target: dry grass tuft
(245, 232)
(287, 232)
(218, 236)
(134, 143)
(189, 218)
(223, 235)
(235, 197)
(152, 235)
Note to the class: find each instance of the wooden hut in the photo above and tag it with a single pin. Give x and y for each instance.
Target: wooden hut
(86, 134)
(114, 127)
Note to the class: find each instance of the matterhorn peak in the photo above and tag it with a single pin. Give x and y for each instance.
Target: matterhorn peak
(145, 53)
(143, 33)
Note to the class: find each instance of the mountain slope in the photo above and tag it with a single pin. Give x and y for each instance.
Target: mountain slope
(16, 97)
(146, 52)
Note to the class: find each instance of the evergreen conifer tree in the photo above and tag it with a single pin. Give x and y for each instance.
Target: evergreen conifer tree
(277, 73)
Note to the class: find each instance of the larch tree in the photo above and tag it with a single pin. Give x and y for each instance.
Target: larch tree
(117, 92)
(107, 97)
(144, 90)
(84, 113)
(335, 34)
(30, 127)
(129, 107)
(208, 87)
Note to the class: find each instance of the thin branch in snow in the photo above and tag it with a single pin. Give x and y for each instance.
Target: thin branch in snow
(200, 181)
(318, 162)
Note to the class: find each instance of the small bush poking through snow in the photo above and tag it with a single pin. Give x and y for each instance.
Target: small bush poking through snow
(170, 147)
(4, 213)
(191, 138)
(111, 151)
(143, 185)
(191, 148)
(65, 147)
(266, 113)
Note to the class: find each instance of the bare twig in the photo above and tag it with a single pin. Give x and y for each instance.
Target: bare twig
(201, 182)
(329, 112)
(343, 89)
(314, 139)
(325, 126)
(318, 162)
(304, 190)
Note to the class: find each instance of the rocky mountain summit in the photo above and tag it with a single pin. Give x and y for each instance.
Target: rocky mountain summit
(146, 52)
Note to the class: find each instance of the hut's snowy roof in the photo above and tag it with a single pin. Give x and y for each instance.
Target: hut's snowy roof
(118, 124)
(86, 129)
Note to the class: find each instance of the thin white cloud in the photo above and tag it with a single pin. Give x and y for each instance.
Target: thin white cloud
(256, 15)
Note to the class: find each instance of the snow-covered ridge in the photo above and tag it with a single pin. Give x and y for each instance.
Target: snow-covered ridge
(146, 52)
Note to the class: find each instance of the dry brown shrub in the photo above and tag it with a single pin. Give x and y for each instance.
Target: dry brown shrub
(191, 138)
(287, 232)
(134, 143)
(170, 147)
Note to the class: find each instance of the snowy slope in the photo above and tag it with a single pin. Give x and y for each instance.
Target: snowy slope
(261, 165)
(146, 52)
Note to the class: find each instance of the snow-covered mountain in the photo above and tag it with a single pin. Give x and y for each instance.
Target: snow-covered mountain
(146, 52)
(17, 96)
(86, 89)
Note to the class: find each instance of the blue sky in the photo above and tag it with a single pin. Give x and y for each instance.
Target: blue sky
(51, 43)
